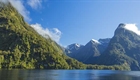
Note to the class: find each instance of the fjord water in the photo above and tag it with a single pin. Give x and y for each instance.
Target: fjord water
(68, 75)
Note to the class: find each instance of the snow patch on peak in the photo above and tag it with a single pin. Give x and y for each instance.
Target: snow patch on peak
(96, 41)
(133, 28)
(77, 45)
(73, 46)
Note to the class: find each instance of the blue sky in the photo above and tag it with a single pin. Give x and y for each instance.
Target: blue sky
(79, 21)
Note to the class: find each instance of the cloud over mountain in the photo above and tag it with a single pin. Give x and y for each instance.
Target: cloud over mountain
(54, 33)
(19, 5)
(133, 28)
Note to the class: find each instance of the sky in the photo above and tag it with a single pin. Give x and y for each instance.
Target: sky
(78, 21)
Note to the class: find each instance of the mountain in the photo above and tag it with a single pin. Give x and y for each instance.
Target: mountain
(72, 49)
(92, 50)
(104, 41)
(88, 53)
(124, 48)
(23, 48)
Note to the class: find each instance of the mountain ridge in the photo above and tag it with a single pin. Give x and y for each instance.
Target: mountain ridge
(88, 53)
(122, 49)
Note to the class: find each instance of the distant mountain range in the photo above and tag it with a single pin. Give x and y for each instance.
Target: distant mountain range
(86, 53)
(122, 49)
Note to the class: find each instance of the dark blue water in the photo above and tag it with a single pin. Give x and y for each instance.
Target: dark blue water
(68, 75)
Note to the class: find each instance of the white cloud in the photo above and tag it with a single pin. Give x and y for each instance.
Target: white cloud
(35, 4)
(18, 4)
(132, 27)
(54, 34)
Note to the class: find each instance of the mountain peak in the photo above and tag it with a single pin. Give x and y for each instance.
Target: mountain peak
(95, 41)
(78, 45)
(74, 46)
(121, 25)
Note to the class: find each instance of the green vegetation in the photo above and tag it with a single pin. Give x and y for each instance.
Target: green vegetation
(113, 67)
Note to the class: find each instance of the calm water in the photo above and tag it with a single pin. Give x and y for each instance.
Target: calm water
(68, 75)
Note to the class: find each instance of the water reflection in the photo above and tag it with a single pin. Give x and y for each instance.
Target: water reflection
(68, 75)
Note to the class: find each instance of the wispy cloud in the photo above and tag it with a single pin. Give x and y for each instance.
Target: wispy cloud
(19, 5)
(54, 33)
(35, 4)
